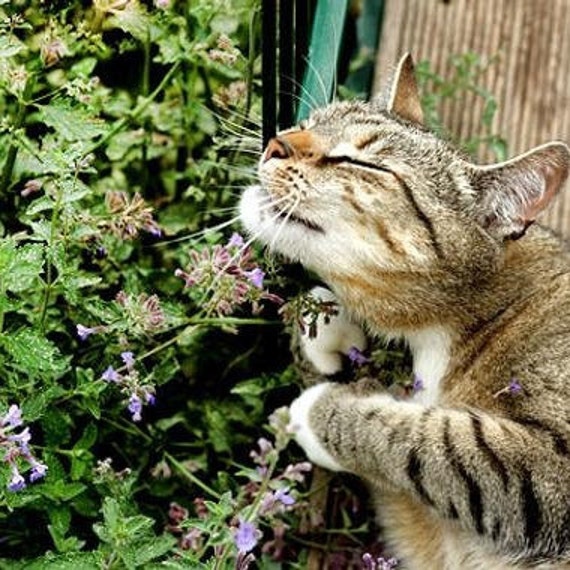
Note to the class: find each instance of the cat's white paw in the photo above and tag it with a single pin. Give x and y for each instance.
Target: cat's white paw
(300, 426)
(334, 338)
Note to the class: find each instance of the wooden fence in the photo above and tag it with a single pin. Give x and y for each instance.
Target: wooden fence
(530, 79)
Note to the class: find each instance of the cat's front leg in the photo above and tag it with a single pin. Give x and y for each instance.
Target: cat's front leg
(324, 417)
(494, 477)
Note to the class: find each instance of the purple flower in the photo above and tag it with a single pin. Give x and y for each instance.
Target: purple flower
(13, 417)
(282, 495)
(246, 536)
(21, 439)
(274, 502)
(356, 356)
(418, 384)
(84, 332)
(152, 228)
(135, 407)
(371, 563)
(515, 387)
(128, 358)
(111, 375)
(256, 277)
(38, 470)
(17, 482)
(297, 471)
(149, 398)
(235, 240)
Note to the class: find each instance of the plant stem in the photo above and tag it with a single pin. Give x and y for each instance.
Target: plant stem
(191, 477)
(138, 110)
(144, 91)
(8, 167)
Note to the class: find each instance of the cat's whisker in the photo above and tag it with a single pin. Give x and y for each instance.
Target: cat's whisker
(247, 172)
(284, 221)
(270, 204)
(225, 120)
(322, 85)
(305, 92)
(265, 204)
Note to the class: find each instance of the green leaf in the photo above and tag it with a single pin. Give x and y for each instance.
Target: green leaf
(133, 20)
(72, 124)
(122, 143)
(33, 354)
(10, 45)
(20, 265)
(61, 490)
(152, 549)
(72, 561)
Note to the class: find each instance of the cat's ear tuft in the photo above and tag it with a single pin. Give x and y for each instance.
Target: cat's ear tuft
(510, 195)
(404, 96)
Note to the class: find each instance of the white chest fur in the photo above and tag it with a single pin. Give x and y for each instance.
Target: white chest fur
(430, 349)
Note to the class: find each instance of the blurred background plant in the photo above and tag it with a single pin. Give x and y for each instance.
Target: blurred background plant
(141, 339)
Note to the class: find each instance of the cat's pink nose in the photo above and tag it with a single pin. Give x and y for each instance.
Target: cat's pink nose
(277, 148)
(300, 145)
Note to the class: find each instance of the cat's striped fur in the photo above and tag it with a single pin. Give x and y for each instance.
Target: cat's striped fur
(473, 472)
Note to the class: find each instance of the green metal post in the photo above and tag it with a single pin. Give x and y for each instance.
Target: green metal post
(326, 39)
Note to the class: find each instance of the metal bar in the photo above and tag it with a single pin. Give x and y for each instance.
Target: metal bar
(287, 39)
(268, 62)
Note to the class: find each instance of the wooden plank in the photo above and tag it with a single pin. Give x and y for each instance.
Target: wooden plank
(530, 78)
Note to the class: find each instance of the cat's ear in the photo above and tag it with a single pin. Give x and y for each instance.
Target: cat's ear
(403, 95)
(511, 194)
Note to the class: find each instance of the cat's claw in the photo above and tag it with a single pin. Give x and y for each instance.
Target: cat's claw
(299, 424)
(335, 337)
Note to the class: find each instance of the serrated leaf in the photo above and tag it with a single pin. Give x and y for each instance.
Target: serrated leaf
(61, 490)
(33, 354)
(88, 438)
(10, 46)
(36, 405)
(41, 204)
(153, 549)
(20, 265)
(133, 20)
(74, 190)
(72, 124)
(72, 561)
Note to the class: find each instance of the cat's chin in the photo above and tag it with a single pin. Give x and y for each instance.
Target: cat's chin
(290, 236)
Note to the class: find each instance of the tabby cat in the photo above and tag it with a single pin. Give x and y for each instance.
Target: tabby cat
(415, 241)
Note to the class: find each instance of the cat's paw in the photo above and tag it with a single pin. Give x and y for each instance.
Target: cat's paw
(335, 336)
(299, 424)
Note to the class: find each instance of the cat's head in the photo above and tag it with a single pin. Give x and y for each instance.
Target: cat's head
(363, 186)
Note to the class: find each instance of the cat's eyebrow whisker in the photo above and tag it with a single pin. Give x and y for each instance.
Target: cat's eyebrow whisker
(244, 150)
(322, 85)
(306, 93)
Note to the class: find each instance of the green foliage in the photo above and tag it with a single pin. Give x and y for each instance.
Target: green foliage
(121, 136)
(467, 69)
